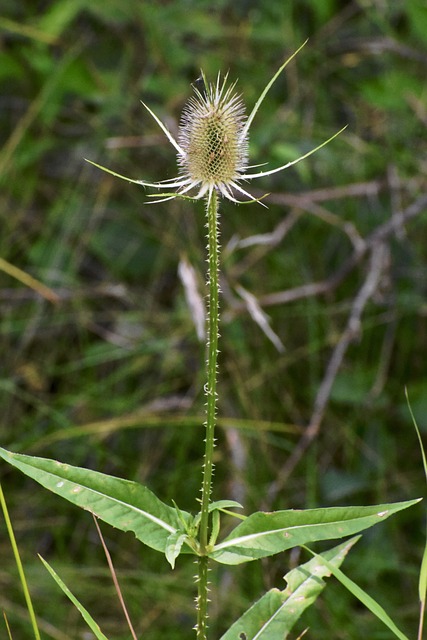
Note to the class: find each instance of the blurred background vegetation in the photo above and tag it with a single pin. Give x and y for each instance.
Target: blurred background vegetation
(105, 368)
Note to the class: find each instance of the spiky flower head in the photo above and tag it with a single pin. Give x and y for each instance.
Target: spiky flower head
(212, 144)
(212, 136)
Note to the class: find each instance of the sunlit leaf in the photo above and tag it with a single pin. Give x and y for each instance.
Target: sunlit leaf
(126, 505)
(265, 534)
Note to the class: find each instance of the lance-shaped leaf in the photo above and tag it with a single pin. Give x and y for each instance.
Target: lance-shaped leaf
(265, 534)
(126, 505)
(273, 616)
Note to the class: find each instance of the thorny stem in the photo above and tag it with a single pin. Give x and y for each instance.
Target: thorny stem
(202, 597)
(211, 400)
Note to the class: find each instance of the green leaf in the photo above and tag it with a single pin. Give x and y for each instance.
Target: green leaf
(265, 534)
(364, 597)
(224, 504)
(126, 505)
(174, 546)
(274, 615)
(84, 613)
(220, 505)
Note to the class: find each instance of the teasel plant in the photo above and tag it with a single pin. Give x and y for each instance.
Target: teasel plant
(212, 154)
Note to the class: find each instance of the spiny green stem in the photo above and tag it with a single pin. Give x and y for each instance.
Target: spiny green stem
(210, 389)
(202, 598)
(211, 398)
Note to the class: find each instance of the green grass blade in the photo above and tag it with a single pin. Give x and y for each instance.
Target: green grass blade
(275, 614)
(423, 454)
(264, 534)
(422, 582)
(9, 633)
(364, 597)
(128, 506)
(94, 627)
(19, 565)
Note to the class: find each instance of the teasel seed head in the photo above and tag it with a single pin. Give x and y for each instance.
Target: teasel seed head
(212, 136)
(212, 144)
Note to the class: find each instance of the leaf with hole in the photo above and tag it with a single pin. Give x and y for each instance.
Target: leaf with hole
(364, 597)
(275, 613)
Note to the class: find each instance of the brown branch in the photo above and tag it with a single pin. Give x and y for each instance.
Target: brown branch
(351, 331)
(376, 246)
(383, 231)
(114, 577)
(355, 190)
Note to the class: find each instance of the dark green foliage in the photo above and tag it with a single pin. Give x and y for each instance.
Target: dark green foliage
(110, 377)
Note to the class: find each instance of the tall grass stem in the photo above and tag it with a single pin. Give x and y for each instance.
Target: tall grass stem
(18, 562)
